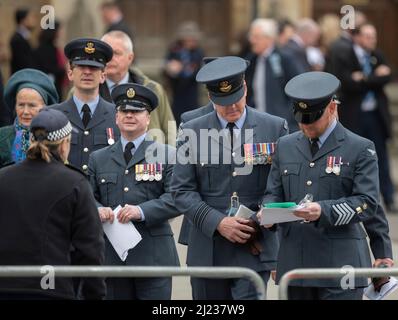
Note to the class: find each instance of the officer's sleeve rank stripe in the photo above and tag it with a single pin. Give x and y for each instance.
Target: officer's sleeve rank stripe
(201, 214)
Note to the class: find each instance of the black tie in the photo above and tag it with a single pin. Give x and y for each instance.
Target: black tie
(127, 152)
(314, 146)
(231, 126)
(86, 115)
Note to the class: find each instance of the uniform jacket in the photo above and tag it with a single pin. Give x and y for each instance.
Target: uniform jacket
(7, 136)
(94, 137)
(337, 238)
(45, 209)
(196, 113)
(202, 192)
(162, 117)
(280, 68)
(185, 117)
(114, 184)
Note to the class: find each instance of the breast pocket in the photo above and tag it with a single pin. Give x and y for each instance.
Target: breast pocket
(100, 140)
(290, 180)
(336, 186)
(108, 189)
(209, 175)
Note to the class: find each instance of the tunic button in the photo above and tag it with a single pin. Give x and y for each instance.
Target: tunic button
(233, 154)
(86, 133)
(312, 164)
(85, 167)
(85, 149)
(126, 189)
(126, 172)
(234, 174)
(309, 182)
(285, 171)
(102, 180)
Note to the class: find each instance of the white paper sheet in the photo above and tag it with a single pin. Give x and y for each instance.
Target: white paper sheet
(385, 290)
(279, 215)
(122, 236)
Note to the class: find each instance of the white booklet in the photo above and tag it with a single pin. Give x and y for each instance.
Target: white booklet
(122, 236)
(385, 290)
(279, 215)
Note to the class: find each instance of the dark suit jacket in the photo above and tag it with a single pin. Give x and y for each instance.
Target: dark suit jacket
(352, 92)
(280, 68)
(21, 53)
(298, 53)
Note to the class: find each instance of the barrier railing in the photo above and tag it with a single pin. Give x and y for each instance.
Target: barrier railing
(329, 273)
(139, 272)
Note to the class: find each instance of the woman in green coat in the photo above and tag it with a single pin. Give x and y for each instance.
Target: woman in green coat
(28, 90)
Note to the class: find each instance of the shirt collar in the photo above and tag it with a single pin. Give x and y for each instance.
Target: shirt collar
(359, 51)
(91, 104)
(112, 84)
(296, 38)
(137, 142)
(268, 51)
(24, 32)
(327, 132)
(239, 123)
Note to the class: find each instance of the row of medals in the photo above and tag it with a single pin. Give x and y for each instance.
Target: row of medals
(333, 165)
(148, 172)
(259, 153)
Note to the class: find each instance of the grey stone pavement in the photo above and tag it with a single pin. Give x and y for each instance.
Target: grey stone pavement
(181, 285)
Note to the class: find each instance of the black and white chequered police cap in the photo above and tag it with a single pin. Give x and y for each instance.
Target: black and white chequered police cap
(54, 122)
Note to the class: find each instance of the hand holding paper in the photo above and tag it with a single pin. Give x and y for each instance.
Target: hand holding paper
(279, 212)
(122, 236)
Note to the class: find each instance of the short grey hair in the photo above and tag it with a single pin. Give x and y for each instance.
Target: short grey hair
(306, 25)
(116, 34)
(268, 27)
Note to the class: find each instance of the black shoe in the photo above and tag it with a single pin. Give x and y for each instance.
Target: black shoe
(391, 207)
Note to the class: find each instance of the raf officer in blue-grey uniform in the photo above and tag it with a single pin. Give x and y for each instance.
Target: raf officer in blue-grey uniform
(223, 160)
(339, 169)
(136, 173)
(92, 118)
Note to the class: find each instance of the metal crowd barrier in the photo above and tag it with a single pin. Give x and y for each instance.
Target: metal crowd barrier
(329, 273)
(139, 272)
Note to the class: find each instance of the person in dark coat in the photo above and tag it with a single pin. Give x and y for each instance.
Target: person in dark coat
(364, 73)
(47, 208)
(112, 16)
(183, 61)
(50, 59)
(21, 51)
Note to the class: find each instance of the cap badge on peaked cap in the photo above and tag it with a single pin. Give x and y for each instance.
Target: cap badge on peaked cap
(130, 93)
(225, 86)
(302, 105)
(89, 49)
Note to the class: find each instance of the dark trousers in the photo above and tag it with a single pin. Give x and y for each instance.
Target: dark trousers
(138, 289)
(372, 129)
(225, 289)
(320, 293)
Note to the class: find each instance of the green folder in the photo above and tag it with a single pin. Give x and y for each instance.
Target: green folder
(279, 205)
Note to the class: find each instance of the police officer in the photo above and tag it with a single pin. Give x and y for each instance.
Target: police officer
(133, 174)
(46, 208)
(339, 169)
(209, 190)
(92, 118)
